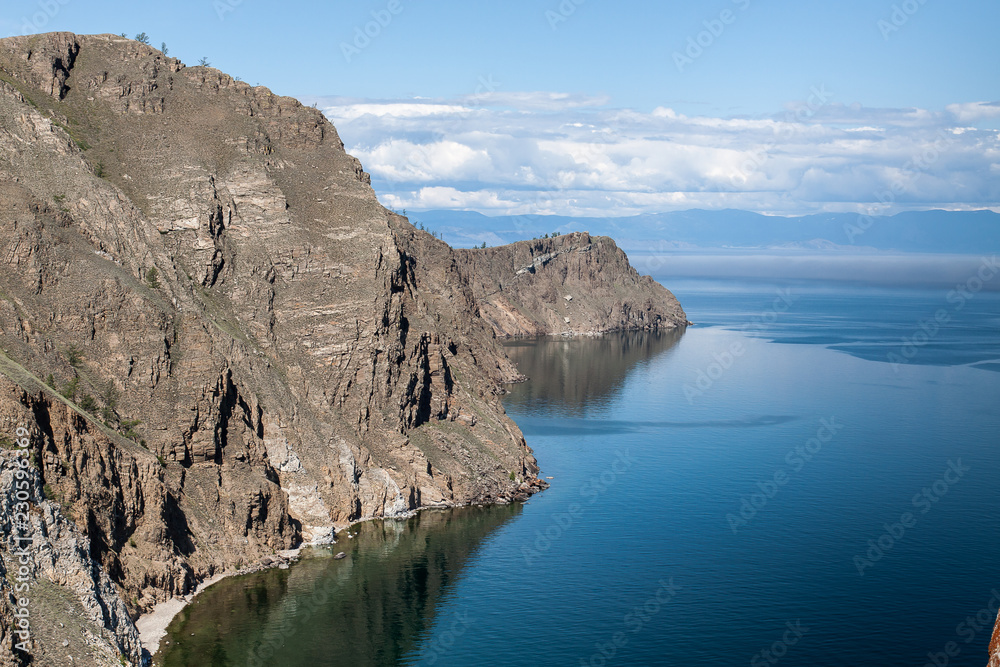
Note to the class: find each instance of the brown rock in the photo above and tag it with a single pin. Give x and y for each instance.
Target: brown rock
(573, 284)
(995, 645)
(290, 366)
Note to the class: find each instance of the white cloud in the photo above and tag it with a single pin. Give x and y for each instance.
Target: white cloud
(402, 160)
(449, 198)
(554, 153)
(349, 112)
(973, 111)
(535, 101)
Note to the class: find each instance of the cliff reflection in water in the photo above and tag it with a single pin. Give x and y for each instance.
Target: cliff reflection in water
(370, 608)
(571, 374)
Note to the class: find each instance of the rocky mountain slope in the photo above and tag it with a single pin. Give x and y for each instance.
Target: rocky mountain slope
(995, 645)
(73, 608)
(220, 345)
(571, 284)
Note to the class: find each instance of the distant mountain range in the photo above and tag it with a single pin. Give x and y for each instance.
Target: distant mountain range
(959, 232)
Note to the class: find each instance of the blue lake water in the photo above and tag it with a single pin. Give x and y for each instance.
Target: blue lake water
(808, 476)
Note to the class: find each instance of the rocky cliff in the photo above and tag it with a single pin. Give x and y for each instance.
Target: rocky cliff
(571, 284)
(71, 607)
(218, 341)
(215, 344)
(994, 647)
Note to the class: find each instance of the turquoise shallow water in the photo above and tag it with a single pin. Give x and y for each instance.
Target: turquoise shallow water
(752, 492)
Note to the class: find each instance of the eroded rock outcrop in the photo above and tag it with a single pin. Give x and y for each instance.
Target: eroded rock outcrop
(220, 344)
(72, 608)
(994, 647)
(571, 284)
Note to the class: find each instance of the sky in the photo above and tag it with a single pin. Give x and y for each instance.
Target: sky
(587, 107)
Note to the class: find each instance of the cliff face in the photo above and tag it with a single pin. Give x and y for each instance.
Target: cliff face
(220, 343)
(995, 645)
(73, 607)
(572, 284)
(339, 604)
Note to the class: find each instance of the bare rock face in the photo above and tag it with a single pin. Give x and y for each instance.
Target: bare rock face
(45, 62)
(995, 645)
(220, 343)
(73, 608)
(572, 284)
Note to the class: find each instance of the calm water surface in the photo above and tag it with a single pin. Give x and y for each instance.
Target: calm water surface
(801, 473)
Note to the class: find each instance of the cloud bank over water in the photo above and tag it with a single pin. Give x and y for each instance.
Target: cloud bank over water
(552, 153)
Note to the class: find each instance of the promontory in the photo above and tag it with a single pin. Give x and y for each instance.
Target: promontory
(215, 343)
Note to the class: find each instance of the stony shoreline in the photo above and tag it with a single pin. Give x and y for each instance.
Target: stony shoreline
(153, 625)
